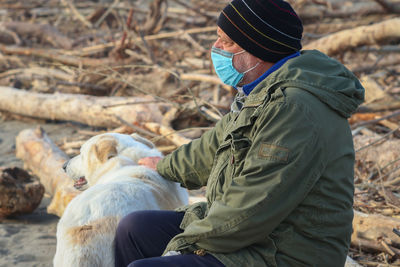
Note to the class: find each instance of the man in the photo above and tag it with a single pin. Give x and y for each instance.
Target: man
(278, 167)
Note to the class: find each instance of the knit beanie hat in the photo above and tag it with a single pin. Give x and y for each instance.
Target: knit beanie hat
(267, 29)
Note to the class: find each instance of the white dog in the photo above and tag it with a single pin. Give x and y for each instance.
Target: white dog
(116, 185)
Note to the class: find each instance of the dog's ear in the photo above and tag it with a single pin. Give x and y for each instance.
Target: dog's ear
(142, 140)
(106, 148)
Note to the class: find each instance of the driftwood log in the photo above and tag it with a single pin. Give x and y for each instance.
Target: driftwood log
(86, 109)
(168, 133)
(19, 193)
(374, 232)
(55, 55)
(92, 110)
(45, 159)
(363, 35)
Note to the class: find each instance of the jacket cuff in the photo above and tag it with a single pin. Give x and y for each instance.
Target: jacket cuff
(164, 168)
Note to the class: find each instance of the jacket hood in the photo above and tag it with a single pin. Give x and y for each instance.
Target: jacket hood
(324, 77)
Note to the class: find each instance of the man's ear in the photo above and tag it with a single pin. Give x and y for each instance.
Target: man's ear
(143, 140)
(105, 149)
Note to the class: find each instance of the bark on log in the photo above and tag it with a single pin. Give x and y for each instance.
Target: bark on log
(45, 159)
(364, 35)
(90, 110)
(19, 193)
(44, 32)
(370, 229)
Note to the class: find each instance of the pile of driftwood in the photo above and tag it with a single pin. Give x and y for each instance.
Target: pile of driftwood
(144, 66)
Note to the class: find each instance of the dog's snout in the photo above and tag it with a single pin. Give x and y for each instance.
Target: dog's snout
(64, 166)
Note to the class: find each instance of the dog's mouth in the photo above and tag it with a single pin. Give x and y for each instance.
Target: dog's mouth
(80, 183)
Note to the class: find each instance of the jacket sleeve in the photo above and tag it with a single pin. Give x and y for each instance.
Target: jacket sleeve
(191, 163)
(282, 164)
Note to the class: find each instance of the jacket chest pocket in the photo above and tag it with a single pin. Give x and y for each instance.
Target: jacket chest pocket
(229, 163)
(240, 146)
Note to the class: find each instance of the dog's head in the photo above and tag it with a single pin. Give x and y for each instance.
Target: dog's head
(104, 153)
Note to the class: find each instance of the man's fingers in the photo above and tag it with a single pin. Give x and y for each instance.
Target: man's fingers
(150, 162)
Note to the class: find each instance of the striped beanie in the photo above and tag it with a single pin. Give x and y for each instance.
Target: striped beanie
(267, 29)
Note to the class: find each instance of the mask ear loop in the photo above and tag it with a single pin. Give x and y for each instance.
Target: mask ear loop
(252, 68)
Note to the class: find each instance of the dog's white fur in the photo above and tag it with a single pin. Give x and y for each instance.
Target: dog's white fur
(116, 186)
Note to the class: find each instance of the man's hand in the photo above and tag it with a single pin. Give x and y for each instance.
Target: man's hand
(150, 162)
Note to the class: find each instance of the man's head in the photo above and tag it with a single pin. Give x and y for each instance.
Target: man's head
(268, 29)
(258, 33)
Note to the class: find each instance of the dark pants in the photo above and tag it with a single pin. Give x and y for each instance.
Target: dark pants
(142, 237)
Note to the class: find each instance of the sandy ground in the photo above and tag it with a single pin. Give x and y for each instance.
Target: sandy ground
(28, 240)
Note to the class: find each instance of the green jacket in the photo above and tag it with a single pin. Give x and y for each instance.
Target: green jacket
(279, 173)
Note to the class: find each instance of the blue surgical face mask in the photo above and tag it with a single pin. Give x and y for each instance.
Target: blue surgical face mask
(223, 65)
